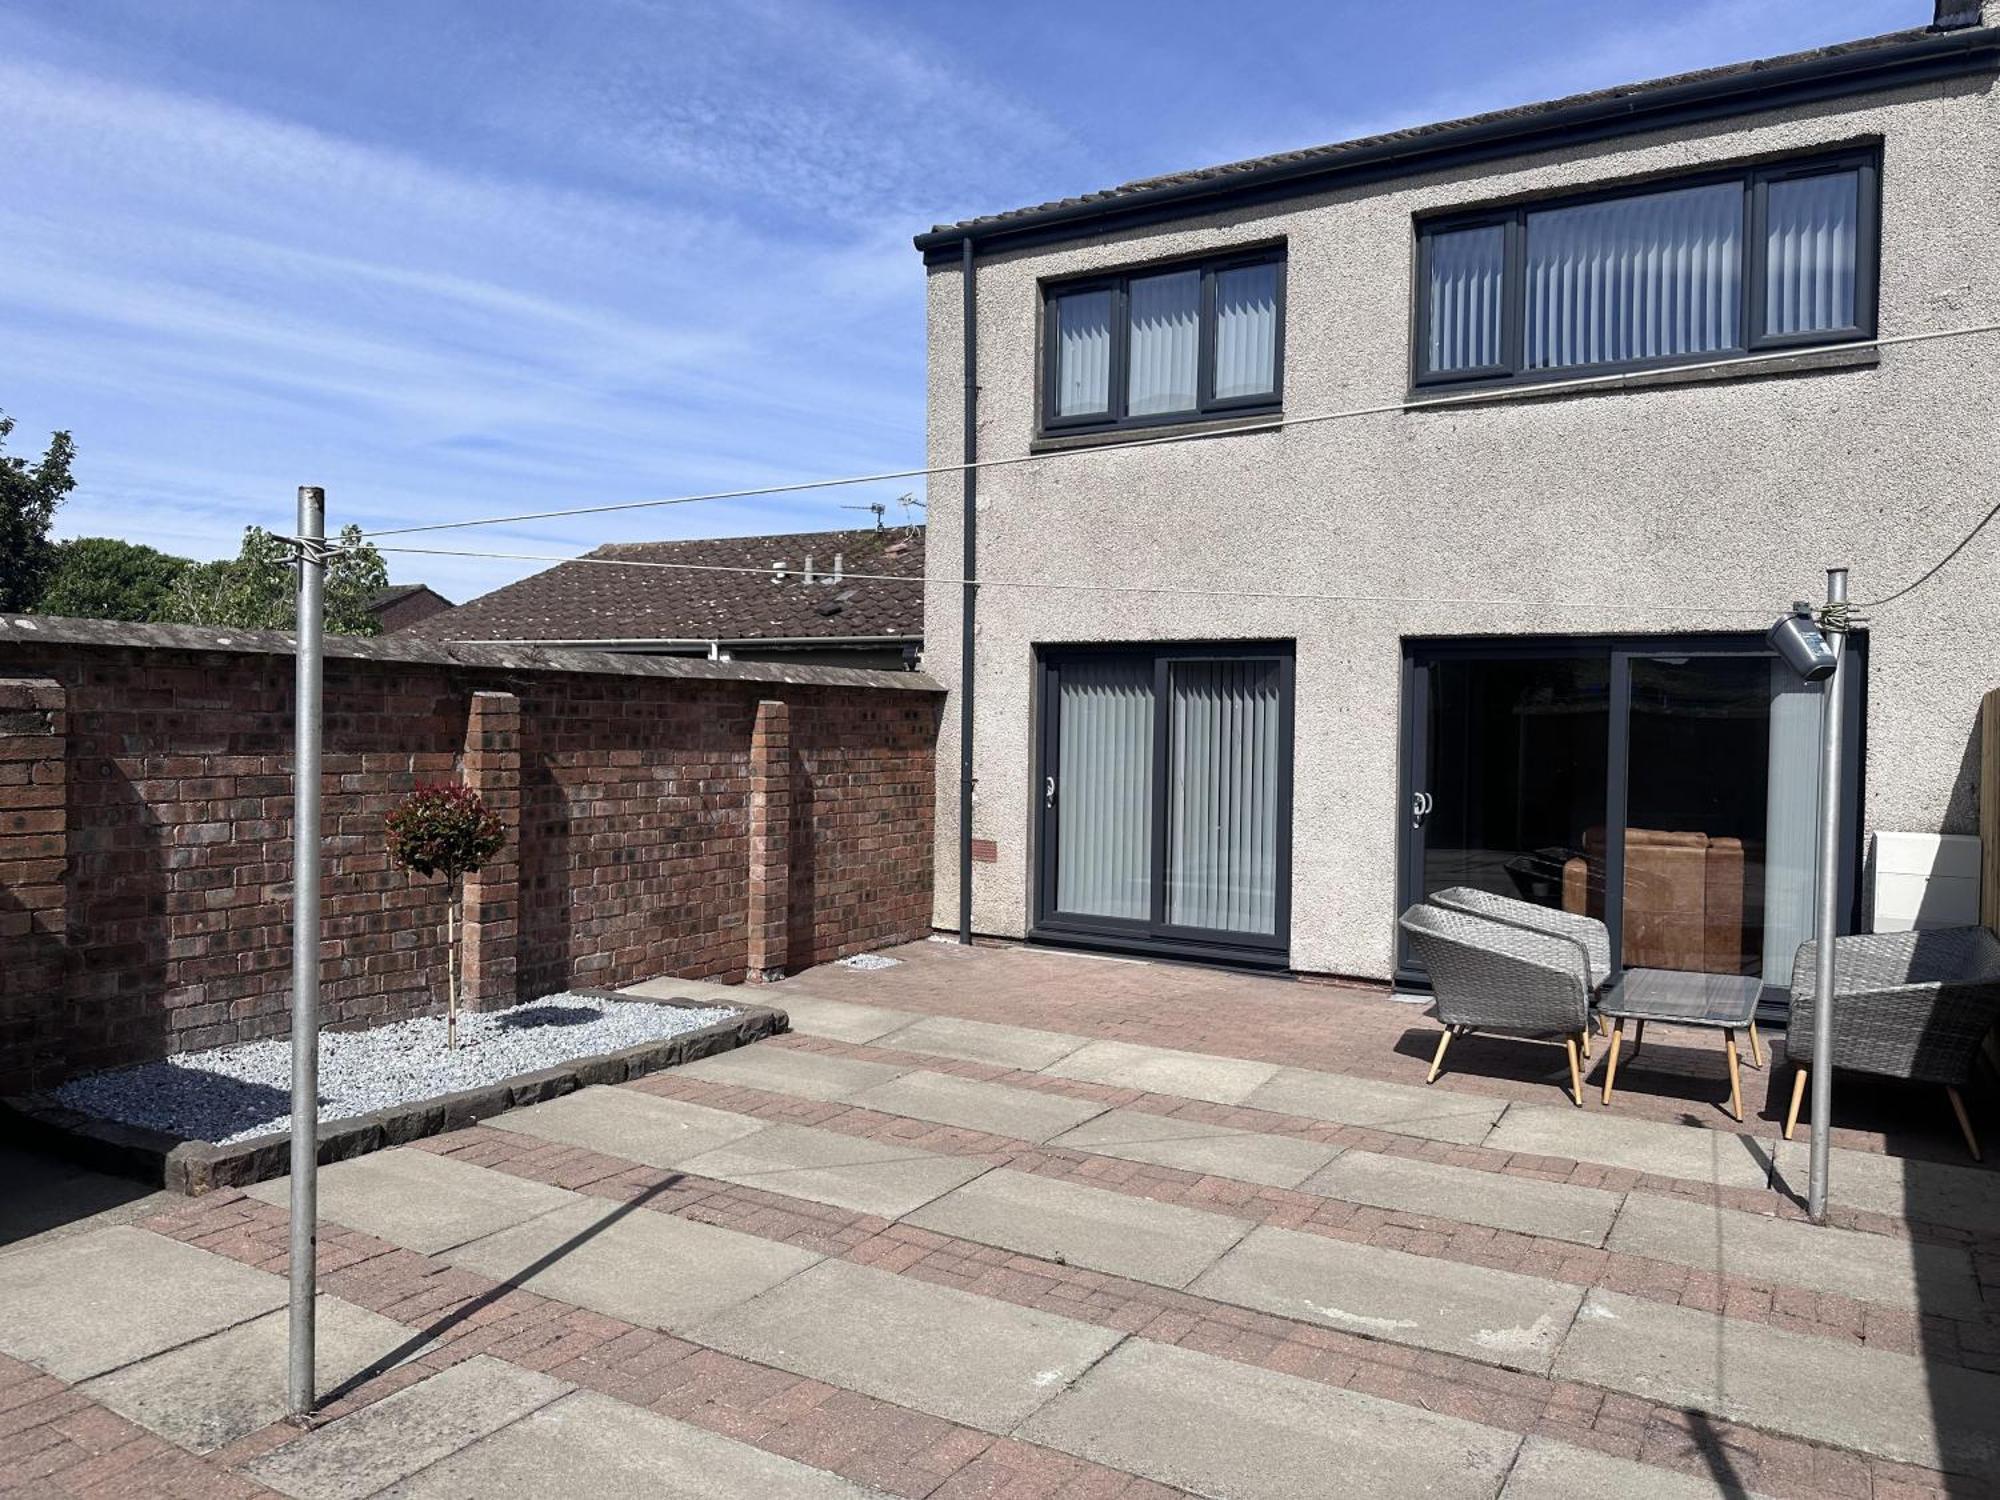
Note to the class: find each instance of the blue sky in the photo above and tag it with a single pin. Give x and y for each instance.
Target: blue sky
(462, 257)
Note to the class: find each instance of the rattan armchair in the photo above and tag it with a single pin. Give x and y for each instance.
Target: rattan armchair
(1494, 976)
(1912, 1005)
(1587, 932)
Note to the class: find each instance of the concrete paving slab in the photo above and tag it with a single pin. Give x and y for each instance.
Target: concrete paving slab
(869, 1177)
(1162, 1243)
(1191, 1146)
(1497, 1317)
(841, 1020)
(1160, 1070)
(421, 1201)
(647, 1268)
(1869, 1267)
(631, 1123)
(590, 1444)
(397, 1436)
(786, 1070)
(983, 1041)
(967, 1102)
(1213, 1427)
(218, 1389)
(1548, 1470)
(1893, 1406)
(1402, 1109)
(1720, 1158)
(80, 1305)
(1929, 1191)
(703, 991)
(1552, 1210)
(966, 1358)
(47, 1198)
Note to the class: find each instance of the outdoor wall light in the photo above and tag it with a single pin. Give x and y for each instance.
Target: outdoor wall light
(1805, 648)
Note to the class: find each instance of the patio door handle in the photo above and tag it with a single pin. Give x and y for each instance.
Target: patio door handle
(1049, 791)
(1421, 804)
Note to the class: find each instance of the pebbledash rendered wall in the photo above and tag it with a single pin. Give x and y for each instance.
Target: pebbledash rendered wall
(1661, 506)
(666, 818)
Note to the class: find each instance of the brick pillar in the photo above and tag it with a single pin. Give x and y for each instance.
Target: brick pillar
(770, 841)
(493, 895)
(34, 853)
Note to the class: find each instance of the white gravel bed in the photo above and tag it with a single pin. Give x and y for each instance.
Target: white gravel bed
(233, 1093)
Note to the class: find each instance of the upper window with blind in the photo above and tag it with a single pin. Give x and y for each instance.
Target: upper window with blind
(1776, 256)
(1178, 343)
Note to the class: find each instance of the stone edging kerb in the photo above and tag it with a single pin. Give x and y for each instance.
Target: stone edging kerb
(196, 1167)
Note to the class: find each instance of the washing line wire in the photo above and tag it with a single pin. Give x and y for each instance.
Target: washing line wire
(1272, 424)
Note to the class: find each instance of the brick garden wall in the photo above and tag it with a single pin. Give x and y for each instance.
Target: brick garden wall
(669, 818)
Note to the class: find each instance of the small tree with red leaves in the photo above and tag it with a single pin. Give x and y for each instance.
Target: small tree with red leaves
(445, 830)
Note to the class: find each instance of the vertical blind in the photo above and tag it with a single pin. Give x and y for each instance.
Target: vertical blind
(1791, 821)
(1104, 838)
(1810, 232)
(1644, 277)
(1083, 353)
(1166, 324)
(1222, 809)
(1246, 331)
(1465, 267)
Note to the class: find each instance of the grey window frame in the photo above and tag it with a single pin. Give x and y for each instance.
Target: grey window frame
(1208, 406)
(1756, 179)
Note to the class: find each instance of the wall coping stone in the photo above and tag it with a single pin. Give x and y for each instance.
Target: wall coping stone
(58, 630)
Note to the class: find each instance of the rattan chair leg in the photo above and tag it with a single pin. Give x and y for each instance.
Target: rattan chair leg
(1611, 1059)
(1437, 1062)
(1735, 1075)
(1798, 1098)
(1964, 1121)
(1575, 1073)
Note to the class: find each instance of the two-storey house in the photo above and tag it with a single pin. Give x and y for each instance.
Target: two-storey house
(1410, 512)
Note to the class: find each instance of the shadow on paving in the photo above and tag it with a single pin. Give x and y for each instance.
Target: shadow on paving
(419, 1341)
(44, 1195)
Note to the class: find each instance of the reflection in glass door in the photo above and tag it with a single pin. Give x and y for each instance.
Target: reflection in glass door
(1669, 788)
(1166, 798)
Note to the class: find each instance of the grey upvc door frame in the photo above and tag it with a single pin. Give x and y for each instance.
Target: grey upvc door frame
(1420, 653)
(1155, 935)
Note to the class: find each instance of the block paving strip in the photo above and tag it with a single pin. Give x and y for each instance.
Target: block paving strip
(912, 1454)
(1973, 1343)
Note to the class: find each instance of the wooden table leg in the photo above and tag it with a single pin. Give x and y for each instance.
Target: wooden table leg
(1611, 1058)
(1638, 1040)
(1735, 1076)
(1756, 1046)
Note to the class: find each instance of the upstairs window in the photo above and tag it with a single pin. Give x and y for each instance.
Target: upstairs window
(1676, 273)
(1193, 340)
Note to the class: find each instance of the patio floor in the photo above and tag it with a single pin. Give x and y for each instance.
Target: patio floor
(1008, 1223)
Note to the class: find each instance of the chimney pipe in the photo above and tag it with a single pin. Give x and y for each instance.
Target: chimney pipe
(836, 567)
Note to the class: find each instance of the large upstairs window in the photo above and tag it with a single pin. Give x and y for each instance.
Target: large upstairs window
(1758, 258)
(1175, 344)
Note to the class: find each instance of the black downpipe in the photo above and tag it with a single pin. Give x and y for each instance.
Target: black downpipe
(968, 591)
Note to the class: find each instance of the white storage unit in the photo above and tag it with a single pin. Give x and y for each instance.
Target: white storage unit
(1926, 880)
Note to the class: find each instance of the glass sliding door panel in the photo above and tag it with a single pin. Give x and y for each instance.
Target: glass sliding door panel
(1222, 799)
(1697, 817)
(1104, 822)
(1791, 821)
(1516, 756)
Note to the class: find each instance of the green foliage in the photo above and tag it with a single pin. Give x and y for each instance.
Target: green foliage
(29, 497)
(103, 578)
(258, 588)
(443, 830)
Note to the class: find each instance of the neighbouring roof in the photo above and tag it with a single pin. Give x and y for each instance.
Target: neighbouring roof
(1876, 62)
(396, 593)
(586, 600)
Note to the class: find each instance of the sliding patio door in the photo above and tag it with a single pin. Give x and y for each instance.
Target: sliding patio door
(1165, 783)
(1668, 787)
